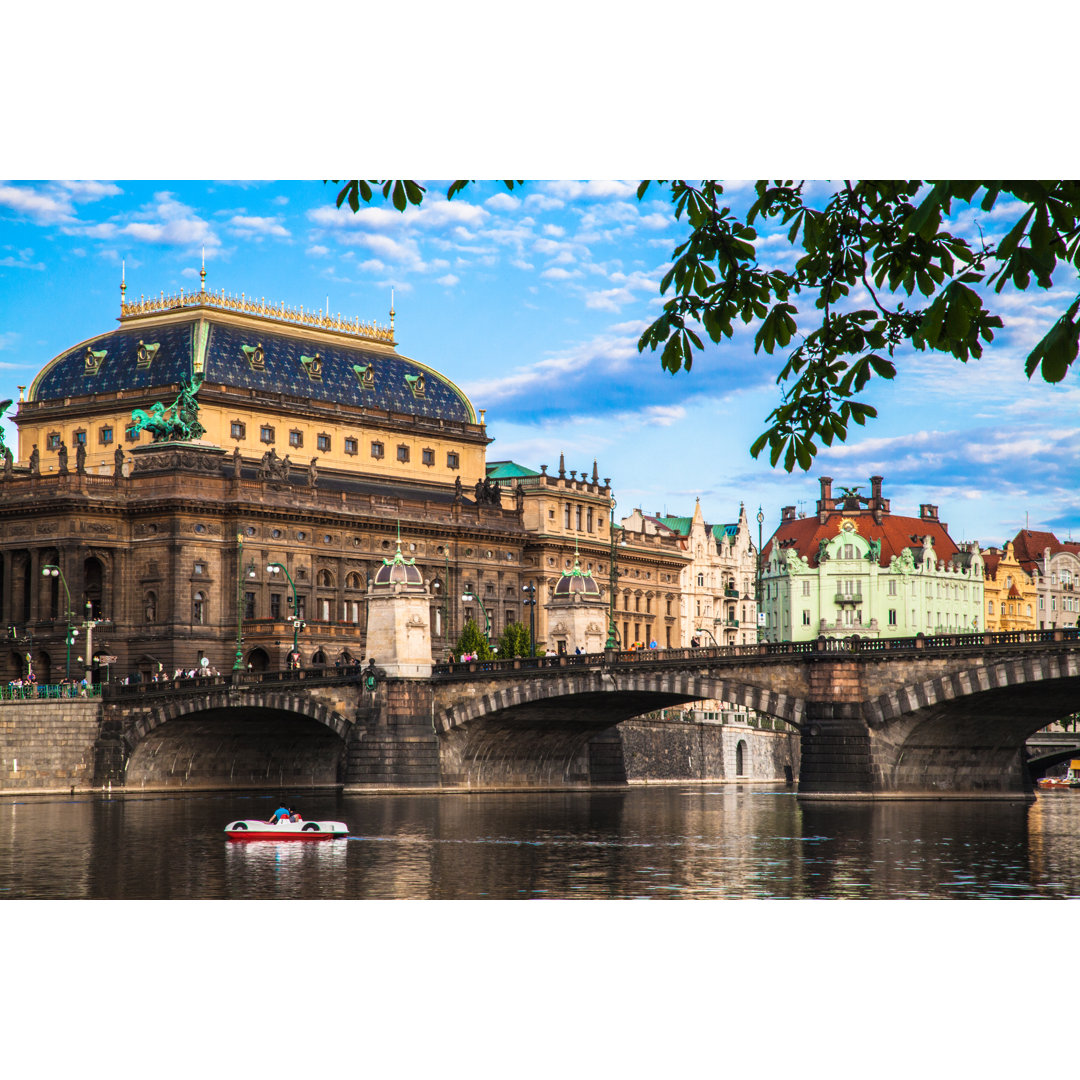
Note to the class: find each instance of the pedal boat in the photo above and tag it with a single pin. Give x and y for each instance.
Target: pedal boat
(285, 830)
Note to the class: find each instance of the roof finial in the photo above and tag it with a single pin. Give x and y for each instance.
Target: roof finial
(202, 272)
(391, 309)
(123, 284)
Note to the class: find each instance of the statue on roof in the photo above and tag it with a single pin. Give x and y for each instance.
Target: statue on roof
(62, 458)
(179, 422)
(80, 459)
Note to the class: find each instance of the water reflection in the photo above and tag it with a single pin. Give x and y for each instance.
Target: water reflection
(727, 841)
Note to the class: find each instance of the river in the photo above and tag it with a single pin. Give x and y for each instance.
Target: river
(721, 841)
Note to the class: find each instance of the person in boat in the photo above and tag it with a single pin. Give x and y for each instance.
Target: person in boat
(295, 815)
(280, 814)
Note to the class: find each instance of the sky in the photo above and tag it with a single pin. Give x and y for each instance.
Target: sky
(533, 302)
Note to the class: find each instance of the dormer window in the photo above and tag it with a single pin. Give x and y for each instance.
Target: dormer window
(255, 356)
(92, 361)
(416, 384)
(144, 354)
(365, 375)
(313, 367)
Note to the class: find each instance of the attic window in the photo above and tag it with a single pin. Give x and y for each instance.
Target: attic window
(92, 361)
(313, 367)
(365, 375)
(416, 384)
(144, 355)
(255, 355)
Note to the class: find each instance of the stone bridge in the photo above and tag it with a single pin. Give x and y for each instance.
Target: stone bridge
(924, 716)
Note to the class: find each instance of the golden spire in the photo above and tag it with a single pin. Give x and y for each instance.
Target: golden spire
(391, 310)
(202, 272)
(123, 285)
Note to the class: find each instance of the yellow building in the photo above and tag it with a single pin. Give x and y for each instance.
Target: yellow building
(1010, 595)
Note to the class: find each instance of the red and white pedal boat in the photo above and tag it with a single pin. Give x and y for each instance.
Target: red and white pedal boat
(285, 830)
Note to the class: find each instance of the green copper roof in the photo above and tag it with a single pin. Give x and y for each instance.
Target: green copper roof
(680, 525)
(508, 470)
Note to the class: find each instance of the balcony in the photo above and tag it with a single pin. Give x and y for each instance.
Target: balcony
(731, 591)
(848, 598)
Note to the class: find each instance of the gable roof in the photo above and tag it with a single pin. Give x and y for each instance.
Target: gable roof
(895, 532)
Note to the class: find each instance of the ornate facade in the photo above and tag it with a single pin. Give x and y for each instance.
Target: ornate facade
(319, 441)
(717, 601)
(1054, 566)
(1010, 594)
(856, 568)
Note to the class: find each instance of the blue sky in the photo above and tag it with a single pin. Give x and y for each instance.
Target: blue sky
(533, 302)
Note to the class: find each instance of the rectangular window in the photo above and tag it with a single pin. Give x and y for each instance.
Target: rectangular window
(892, 616)
(296, 438)
(427, 457)
(322, 442)
(350, 446)
(577, 518)
(105, 436)
(237, 429)
(80, 438)
(566, 516)
(324, 610)
(806, 588)
(806, 617)
(249, 605)
(275, 605)
(54, 441)
(377, 450)
(402, 453)
(892, 588)
(452, 460)
(301, 607)
(588, 518)
(131, 434)
(266, 433)
(200, 568)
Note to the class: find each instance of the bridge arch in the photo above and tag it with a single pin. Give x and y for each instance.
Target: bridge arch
(254, 738)
(610, 697)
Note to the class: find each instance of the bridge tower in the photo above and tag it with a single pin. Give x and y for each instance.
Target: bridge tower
(399, 618)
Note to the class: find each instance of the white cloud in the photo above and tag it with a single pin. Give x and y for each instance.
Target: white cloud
(449, 280)
(318, 250)
(88, 190)
(557, 273)
(589, 189)
(42, 208)
(503, 201)
(257, 226)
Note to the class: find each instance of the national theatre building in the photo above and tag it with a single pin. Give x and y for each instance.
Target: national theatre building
(219, 477)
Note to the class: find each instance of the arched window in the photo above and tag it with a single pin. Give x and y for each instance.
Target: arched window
(740, 758)
(319, 659)
(990, 607)
(352, 581)
(701, 579)
(326, 579)
(198, 609)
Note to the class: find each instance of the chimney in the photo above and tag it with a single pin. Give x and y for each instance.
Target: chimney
(877, 504)
(787, 513)
(825, 503)
(928, 512)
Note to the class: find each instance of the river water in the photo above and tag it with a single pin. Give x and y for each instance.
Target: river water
(722, 841)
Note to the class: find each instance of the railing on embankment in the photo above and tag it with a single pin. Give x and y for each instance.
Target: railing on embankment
(203, 684)
(775, 650)
(47, 691)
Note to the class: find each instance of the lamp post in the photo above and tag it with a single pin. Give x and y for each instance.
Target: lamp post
(612, 633)
(51, 570)
(294, 618)
(469, 596)
(757, 587)
(530, 602)
(238, 664)
(705, 630)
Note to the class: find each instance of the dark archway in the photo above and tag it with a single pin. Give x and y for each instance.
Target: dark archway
(258, 660)
(740, 758)
(93, 585)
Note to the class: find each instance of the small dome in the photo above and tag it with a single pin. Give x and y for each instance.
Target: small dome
(399, 571)
(576, 582)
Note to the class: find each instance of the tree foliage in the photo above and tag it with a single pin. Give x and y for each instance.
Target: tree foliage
(878, 265)
(514, 641)
(473, 641)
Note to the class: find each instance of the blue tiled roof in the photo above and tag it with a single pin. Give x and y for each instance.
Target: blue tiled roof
(283, 369)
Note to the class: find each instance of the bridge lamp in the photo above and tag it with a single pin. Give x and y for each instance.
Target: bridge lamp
(468, 597)
(705, 630)
(530, 602)
(53, 571)
(297, 624)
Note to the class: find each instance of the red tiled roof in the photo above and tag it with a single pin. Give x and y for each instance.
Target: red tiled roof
(894, 532)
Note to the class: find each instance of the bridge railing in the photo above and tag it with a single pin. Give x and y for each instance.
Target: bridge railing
(202, 683)
(853, 644)
(47, 691)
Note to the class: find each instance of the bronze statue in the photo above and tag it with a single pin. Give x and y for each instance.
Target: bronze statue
(35, 462)
(80, 459)
(61, 457)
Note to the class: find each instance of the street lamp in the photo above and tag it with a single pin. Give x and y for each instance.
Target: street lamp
(705, 630)
(530, 602)
(467, 597)
(51, 570)
(757, 587)
(238, 664)
(294, 618)
(612, 633)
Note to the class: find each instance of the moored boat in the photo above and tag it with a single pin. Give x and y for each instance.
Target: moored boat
(1071, 779)
(285, 830)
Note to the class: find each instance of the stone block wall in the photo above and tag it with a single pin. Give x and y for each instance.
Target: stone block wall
(47, 745)
(658, 750)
